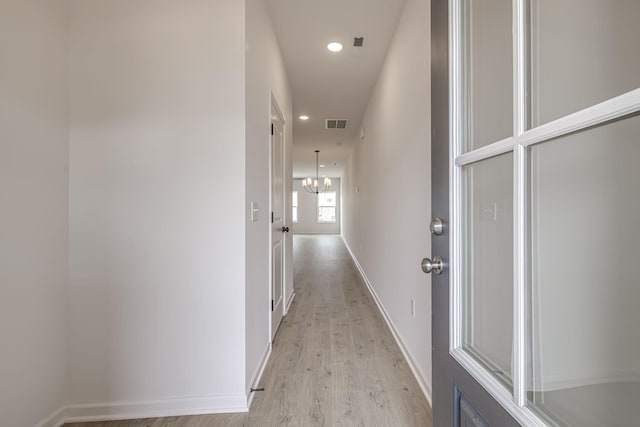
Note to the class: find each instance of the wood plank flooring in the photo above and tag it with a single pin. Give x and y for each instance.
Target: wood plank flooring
(334, 361)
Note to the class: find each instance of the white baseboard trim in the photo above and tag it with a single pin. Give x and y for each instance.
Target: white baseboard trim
(201, 405)
(257, 375)
(55, 419)
(293, 295)
(426, 389)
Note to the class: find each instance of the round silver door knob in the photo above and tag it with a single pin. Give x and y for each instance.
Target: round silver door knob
(434, 266)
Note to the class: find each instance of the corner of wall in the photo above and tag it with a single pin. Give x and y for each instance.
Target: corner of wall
(265, 78)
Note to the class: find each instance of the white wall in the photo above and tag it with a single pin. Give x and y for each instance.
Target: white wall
(386, 223)
(146, 315)
(265, 74)
(33, 217)
(157, 205)
(308, 211)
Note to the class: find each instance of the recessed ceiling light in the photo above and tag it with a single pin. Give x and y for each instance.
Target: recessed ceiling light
(334, 47)
(303, 117)
(321, 166)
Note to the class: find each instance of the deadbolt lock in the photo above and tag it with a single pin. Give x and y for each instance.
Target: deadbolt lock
(436, 227)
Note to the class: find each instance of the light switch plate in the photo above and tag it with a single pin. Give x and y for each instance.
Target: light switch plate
(254, 212)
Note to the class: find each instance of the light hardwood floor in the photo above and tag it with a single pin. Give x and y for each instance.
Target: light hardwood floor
(334, 361)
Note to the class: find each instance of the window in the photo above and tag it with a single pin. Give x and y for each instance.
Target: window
(294, 214)
(327, 207)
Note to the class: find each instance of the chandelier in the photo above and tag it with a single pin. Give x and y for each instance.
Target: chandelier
(312, 185)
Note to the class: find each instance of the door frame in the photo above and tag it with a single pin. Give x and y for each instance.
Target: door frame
(276, 112)
(448, 101)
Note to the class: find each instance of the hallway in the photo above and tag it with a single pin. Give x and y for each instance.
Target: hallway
(334, 361)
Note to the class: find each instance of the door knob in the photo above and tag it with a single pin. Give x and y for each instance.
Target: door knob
(285, 229)
(436, 266)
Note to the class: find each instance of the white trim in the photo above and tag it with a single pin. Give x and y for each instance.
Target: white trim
(483, 153)
(201, 405)
(519, 276)
(289, 302)
(504, 397)
(455, 174)
(272, 109)
(156, 409)
(275, 113)
(55, 419)
(612, 109)
(160, 408)
(536, 362)
(520, 207)
(519, 68)
(274, 103)
(424, 386)
(534, 58)
(257, 375)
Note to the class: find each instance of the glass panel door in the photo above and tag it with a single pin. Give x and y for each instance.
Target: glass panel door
(545, 187)
(585, 203)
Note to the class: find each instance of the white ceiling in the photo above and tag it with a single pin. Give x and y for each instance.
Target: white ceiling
(330, 85)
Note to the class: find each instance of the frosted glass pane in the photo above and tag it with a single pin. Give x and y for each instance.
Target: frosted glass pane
(585, 316)
(488, 72)
(583, 52)
(488, 274)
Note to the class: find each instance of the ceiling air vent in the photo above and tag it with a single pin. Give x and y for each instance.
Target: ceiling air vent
(358, 41)
(337, 123)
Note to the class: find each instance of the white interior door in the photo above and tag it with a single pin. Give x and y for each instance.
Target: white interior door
(278, 227)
